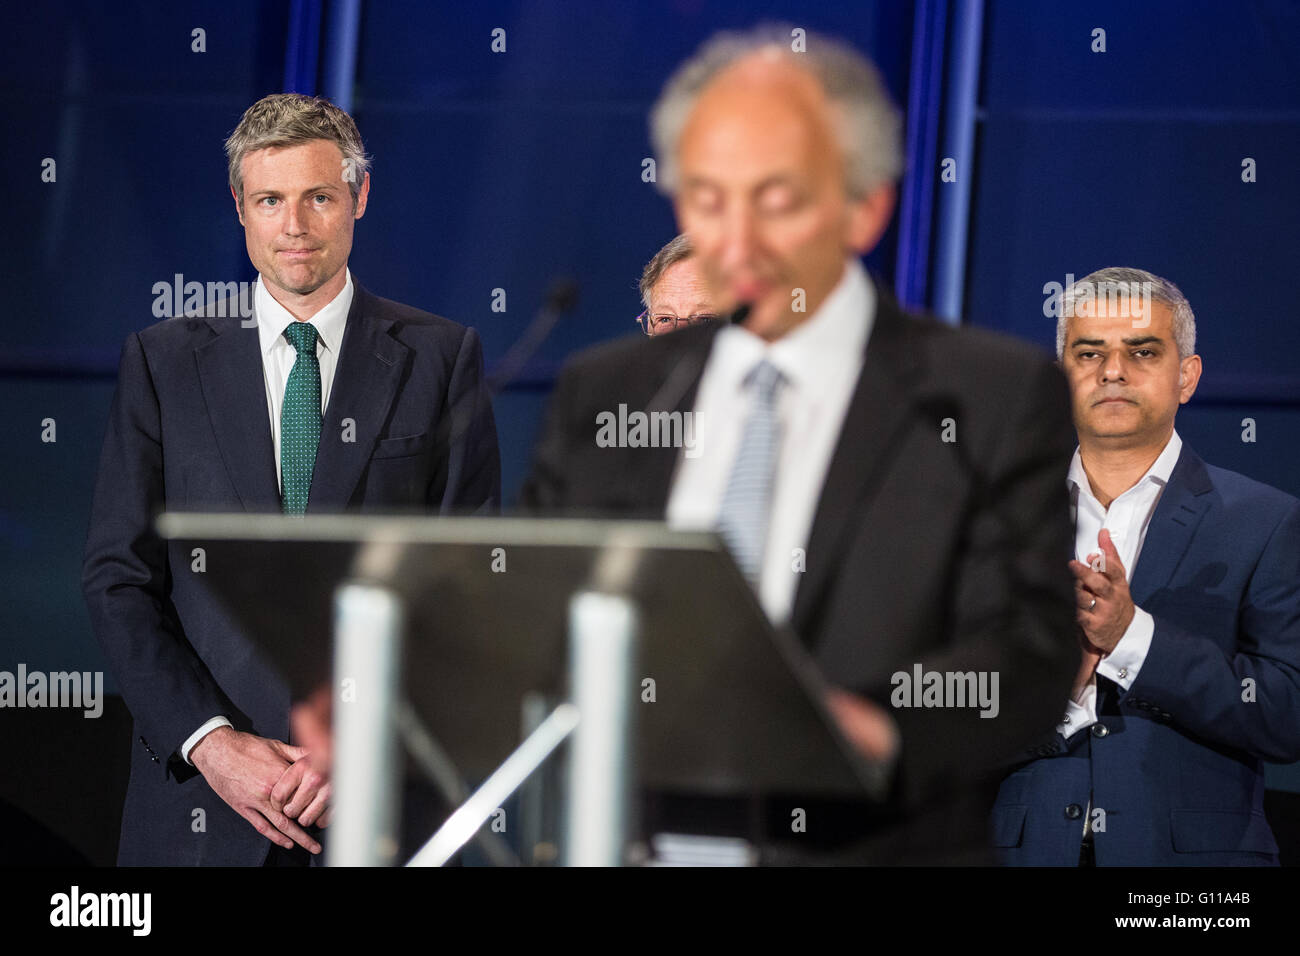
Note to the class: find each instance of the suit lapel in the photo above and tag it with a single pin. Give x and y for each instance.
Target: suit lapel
(234, 392)
(649, 471)
(365, 382)
(1181, 507)
(881, 406)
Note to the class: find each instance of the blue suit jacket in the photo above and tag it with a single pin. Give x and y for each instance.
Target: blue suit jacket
(189, 431)
(1175, 762)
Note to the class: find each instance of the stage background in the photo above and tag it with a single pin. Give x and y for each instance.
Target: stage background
(507, 170)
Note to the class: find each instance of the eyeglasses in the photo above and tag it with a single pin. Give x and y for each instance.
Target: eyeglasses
(667, 322)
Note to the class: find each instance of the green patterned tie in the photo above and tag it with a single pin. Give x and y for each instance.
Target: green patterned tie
(300, 420)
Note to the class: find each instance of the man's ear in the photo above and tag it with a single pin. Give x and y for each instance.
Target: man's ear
(239, 206)
(363, 194)
(1189, 373)
(869, 218)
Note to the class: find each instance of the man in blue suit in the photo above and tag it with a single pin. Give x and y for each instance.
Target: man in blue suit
(1188, 594)
(327, 398)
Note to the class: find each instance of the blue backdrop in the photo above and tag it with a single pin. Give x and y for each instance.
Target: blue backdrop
(504, 170)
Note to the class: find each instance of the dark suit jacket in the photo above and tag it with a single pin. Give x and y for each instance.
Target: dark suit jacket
(951, 555)
(189, 431)
(1177, 769)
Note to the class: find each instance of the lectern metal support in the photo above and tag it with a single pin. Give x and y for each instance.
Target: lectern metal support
(745, 713)
(474, 812)
(598, 720)
(602, 640)
(368, 627)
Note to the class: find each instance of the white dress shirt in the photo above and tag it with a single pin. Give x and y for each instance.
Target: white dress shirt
(278, 356)
(821, 360)
(1127, 520)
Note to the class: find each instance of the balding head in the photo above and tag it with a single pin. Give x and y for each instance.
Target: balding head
(772, 201)
(755, 105)
(868, 125)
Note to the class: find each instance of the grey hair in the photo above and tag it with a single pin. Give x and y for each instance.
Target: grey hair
(674, 252)
(1122, 278)
(869, 126)
(290, 119)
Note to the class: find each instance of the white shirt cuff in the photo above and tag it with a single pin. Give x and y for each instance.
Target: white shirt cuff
(1123, 663)
(1080, 713)
(199, 734)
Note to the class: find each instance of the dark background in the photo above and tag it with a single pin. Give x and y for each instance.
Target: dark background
(507, 170)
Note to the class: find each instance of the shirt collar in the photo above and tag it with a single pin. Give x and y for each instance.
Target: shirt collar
(1159, 471)
(836, 332)
(273, 318)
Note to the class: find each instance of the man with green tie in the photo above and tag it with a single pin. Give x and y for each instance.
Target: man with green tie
(328, 398)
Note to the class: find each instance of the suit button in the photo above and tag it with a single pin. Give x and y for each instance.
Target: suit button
(1099, 730)
(1073, 811)
(143, 742)
(154, 759)
(1143, 705)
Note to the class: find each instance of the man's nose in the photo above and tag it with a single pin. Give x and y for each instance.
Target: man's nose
(293, 222)
(1113, 370)
(739, 238)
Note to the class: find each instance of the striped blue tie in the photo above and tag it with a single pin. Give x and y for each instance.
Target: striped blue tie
(747, 502)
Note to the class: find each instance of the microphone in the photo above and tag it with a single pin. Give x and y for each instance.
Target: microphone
(561, 297)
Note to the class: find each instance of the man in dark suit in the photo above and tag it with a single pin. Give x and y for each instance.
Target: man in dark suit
(1188, 586)
(891, 486)
(328, 398)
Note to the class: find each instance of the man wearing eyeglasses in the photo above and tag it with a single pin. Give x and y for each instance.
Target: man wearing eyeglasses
(673, 290)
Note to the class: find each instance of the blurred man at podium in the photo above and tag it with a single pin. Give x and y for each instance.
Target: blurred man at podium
(325, 398)
(892, 487)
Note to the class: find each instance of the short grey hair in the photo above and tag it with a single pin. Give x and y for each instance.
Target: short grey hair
(290, 119)
(1121, 277)
(869, 126)
(674, 252)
